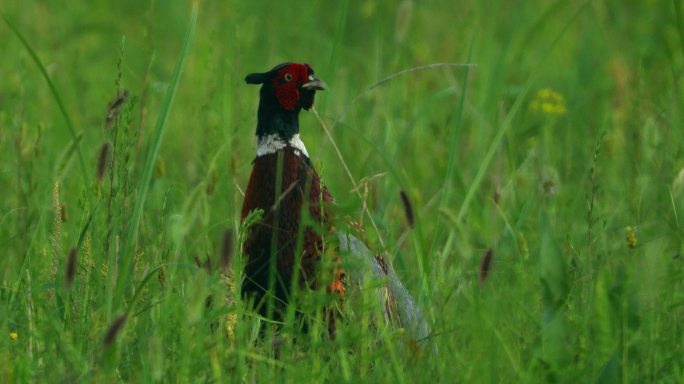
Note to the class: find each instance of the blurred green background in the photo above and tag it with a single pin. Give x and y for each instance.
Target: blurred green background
(559, 153)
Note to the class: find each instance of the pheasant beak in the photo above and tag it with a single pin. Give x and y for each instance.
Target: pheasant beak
(314, 84)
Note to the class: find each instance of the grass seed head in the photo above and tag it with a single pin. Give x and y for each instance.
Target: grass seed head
(227, 249)
(114, 108)
(103, 159)
(161, 276)
(63, 212)
(114, 329)
(408, 208)
(486, 264)
(70, 272)
(212, 179)
(206, 264)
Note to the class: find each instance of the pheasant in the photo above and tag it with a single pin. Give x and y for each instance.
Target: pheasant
(284, 184)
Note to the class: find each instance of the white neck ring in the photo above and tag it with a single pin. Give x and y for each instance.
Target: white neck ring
(273, 143)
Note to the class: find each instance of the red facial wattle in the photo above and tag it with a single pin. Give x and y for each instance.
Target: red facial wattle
(287, 85)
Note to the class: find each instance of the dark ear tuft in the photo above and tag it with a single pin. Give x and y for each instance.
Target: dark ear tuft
(256, 78)
(260, 78)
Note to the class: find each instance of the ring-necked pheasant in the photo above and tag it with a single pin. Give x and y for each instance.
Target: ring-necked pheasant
(285, 91)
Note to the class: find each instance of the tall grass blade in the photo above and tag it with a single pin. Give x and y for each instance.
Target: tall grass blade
(680, 22)
(126, 257)
(72, 131)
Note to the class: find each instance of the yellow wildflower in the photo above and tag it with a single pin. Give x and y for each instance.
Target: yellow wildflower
(549, 102)
(631, 237)
(14, 335)
(368, 9)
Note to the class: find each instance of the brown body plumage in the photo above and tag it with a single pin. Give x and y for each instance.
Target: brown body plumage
(280, 224)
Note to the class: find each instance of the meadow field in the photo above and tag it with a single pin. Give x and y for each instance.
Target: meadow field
(546, 182)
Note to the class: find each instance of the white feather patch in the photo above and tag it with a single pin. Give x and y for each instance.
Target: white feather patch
(272, 143)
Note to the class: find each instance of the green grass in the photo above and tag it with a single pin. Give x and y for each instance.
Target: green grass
(561, 151)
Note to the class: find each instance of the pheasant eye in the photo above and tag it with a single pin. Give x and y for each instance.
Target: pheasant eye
(288, 76)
